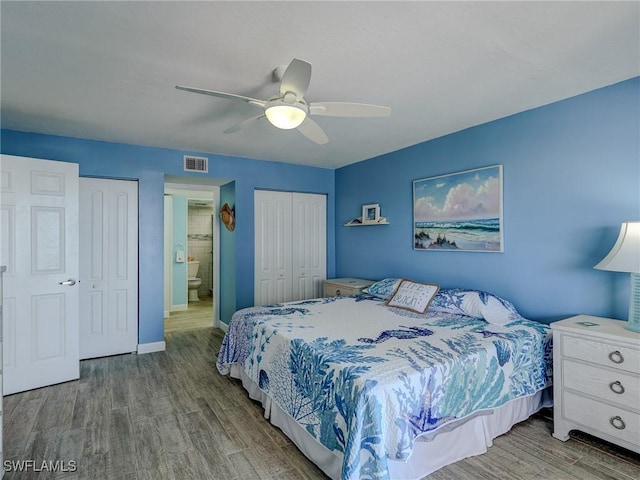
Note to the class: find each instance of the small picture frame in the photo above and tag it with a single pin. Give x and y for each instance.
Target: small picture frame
(371, 213)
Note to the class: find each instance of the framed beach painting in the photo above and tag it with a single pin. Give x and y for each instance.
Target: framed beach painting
(459, 211)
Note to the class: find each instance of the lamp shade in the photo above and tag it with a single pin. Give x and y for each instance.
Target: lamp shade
(625, 254)
(285, 116)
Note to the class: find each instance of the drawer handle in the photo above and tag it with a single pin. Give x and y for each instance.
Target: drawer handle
(616, 357)
(617, 387)
(617, 422)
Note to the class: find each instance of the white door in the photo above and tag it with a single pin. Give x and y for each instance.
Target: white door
(309, 234)
(39, 246)
(272, 247)
(2, 269)
(109, 267)
(290, 246)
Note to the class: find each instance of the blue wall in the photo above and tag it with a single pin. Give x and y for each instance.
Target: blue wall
(227, 257)
(179, 270)
(149, 165)
(571, 175)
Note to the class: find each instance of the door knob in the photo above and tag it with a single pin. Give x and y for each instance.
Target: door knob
(71, 282)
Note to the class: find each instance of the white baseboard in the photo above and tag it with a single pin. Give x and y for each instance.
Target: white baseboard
(179, 308)
(167, 313)
(151, 347)
(222, 326)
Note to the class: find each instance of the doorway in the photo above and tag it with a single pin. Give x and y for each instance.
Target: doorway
(191, 254)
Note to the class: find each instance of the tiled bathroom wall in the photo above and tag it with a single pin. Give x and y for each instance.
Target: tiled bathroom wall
(199, 244)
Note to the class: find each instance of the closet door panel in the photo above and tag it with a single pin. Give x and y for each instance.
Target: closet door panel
(309, 235)
(272, 283)
(109, 267)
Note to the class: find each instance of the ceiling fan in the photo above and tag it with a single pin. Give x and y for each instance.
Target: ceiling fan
(289, 110)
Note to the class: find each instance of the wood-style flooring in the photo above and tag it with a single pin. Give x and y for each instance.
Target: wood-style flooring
(198, 315)
(171, 415)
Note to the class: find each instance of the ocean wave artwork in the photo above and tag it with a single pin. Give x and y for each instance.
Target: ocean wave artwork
(459, 211)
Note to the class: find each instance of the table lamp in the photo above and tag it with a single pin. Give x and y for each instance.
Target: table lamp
(625, 257)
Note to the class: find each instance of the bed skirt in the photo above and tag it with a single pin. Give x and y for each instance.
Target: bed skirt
(464, 438)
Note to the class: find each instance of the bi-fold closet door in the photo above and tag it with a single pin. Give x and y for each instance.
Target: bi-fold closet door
(290, 246)
(108, 267)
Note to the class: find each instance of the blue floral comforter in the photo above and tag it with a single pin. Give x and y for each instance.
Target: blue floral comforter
(365, 379)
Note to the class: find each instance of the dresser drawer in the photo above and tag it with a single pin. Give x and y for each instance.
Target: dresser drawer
(607, 384)
(602, 353)
(602, 417)
(336, 287)
(332, 290)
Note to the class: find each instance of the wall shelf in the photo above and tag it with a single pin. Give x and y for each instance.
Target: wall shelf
(357, 222)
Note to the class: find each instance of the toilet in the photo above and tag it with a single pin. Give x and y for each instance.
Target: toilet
(193, 282)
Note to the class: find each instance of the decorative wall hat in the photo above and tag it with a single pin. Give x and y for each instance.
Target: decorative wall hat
(228, 217)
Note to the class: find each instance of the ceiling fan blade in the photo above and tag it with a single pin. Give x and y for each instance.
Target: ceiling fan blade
(243, 124)
(348, 109)
(296, 78)
(313, 132)
(229, 96)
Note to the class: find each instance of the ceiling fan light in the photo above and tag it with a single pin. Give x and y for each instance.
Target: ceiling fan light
(285, 117)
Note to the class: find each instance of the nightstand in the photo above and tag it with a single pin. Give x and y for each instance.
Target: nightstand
(335, 287)
(596, 380)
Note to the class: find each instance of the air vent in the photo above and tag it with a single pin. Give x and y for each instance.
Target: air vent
(196, 164)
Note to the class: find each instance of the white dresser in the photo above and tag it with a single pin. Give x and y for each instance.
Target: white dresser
(335, 287)
(596, 377)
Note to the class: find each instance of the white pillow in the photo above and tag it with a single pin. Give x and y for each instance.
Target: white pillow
(494, 312)
(475, 303)
(413, 296)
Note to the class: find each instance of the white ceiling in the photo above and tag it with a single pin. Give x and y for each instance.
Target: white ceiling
(107, 70)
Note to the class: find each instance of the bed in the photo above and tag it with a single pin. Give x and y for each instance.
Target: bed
(369, 390)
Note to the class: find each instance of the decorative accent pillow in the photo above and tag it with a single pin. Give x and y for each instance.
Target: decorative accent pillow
(383, 289)
(413, 296)
(475, 303)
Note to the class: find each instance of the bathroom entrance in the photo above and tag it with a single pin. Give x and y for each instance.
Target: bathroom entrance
(199, 250)
(191, 256)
